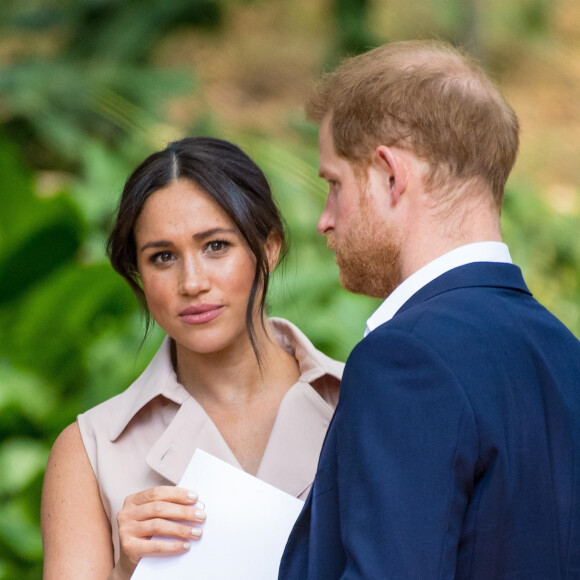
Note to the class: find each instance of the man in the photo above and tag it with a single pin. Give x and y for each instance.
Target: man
(455, 448)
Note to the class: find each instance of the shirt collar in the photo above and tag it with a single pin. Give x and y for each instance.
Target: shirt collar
(467, 254)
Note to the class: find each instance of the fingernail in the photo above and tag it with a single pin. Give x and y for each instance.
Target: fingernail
(192, 495)
(196, 532)
(186, 545)
(200, 514)
(200, 504)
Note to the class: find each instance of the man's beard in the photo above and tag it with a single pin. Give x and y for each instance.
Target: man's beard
(368, 257)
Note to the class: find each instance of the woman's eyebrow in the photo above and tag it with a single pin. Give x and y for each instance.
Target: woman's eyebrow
(213, 232)
(155, 244)
(198, 236)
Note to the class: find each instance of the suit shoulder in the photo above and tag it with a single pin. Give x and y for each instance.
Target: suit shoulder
(390, 357)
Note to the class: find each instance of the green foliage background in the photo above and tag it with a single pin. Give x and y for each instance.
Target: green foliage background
(85, 107)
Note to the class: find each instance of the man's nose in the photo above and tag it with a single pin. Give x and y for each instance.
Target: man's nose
(326, 220)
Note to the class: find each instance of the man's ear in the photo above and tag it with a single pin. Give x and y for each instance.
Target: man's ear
(273, 246)
(395, 169)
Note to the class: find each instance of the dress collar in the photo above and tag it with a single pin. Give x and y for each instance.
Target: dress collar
(159, 378)
(291, 455)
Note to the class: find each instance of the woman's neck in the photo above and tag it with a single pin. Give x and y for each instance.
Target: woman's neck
(241, 397)
(234, 376)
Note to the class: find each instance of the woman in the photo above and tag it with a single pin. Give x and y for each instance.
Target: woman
(196, 236)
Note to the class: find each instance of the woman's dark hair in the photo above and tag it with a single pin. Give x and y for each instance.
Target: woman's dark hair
(230, 178)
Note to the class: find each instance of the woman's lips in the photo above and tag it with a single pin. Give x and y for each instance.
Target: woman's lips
(201, 313)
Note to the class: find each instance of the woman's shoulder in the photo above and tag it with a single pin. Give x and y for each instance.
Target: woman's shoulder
(68, 443)
(67, 461)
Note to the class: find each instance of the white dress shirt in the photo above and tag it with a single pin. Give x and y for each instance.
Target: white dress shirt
(468, 254)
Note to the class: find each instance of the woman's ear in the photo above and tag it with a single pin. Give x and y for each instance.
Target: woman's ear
(272, 247)
(395, 169)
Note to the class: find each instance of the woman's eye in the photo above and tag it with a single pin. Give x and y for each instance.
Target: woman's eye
(161, 257)
(217, 246)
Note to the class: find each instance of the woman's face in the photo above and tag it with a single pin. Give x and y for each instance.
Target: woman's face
(195, 267)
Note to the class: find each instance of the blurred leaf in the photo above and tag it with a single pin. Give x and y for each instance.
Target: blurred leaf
(110, 29)
(17, 216)
(21, 461)
(46, 249)
(547, 247)
(353, 34)
(73, 301)
(102, 176)
(18, 531)
(26, 392)
(117, 357)
(129, 30)
(68, 101)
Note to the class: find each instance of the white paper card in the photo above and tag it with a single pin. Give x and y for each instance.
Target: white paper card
(248, 524)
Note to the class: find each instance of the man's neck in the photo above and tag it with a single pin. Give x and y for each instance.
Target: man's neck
(437, 234)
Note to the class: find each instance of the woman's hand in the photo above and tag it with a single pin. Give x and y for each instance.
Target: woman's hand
(170, 514)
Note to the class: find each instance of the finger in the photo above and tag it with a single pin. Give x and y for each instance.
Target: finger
(164, 510)
(166, 547)
(164, 493)
(137, 548)
(167, 529)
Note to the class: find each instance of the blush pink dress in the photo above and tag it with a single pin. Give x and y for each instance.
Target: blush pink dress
(146, 436)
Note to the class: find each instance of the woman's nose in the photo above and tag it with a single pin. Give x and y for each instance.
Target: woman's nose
(193, 277)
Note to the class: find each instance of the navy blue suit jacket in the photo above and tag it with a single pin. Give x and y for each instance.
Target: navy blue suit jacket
(454, 451)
